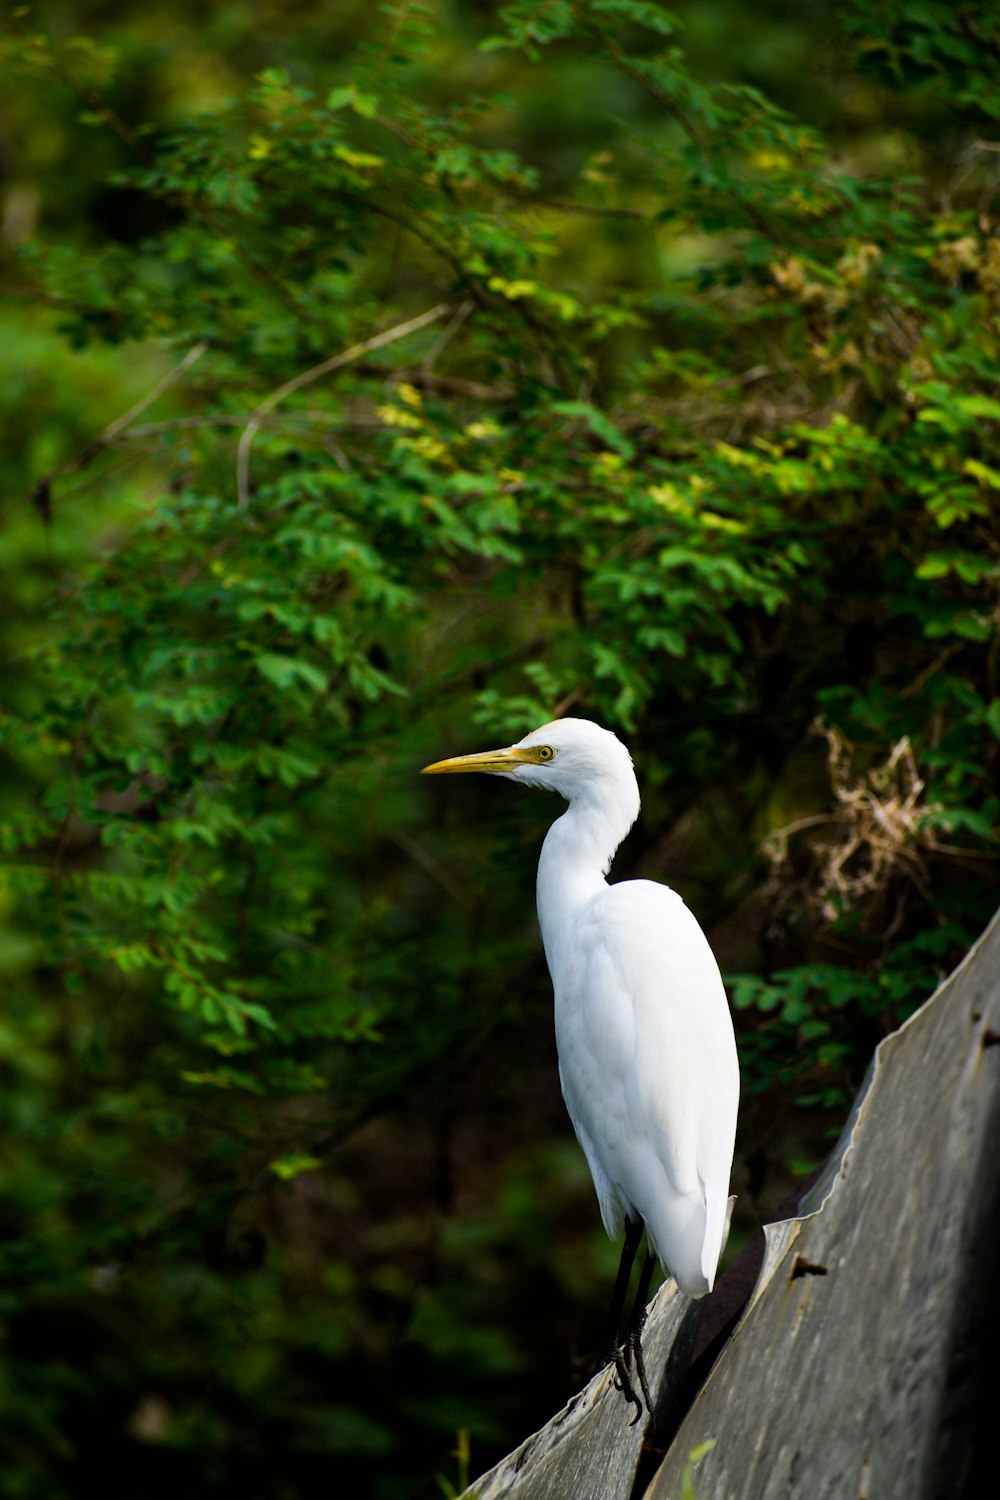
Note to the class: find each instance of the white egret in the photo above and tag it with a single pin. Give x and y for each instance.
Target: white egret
(647, 1056)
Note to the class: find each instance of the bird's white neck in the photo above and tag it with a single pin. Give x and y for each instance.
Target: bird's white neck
(577, 854)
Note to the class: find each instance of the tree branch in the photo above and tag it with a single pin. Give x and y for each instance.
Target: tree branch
(42, 492)
(377, 341)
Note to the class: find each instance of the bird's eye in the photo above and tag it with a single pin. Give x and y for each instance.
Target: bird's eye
(545, 752)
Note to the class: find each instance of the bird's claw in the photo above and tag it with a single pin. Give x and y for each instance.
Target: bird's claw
(640, 1370)
(622, 1357)
(623, 1381)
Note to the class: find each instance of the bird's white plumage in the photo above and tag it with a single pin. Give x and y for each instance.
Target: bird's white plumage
(647, 1065)
(647, 1056)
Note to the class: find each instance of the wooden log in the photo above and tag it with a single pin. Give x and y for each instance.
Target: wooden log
(861, 1363)
(590, 1450)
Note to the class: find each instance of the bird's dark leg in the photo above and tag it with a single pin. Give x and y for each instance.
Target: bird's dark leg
(633, 1235)
(632, 1342)
(621, 1341)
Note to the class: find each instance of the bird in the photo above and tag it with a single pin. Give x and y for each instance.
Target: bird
(647, 1055)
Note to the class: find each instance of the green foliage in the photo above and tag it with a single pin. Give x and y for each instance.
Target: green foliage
(688, 1490)
(389, 400)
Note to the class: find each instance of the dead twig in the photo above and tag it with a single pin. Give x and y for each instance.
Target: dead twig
(449, 331)
(41, 495)
(336, 362)
(877, 829)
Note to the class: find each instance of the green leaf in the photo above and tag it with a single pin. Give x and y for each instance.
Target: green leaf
(293, 1165)
(287, 671)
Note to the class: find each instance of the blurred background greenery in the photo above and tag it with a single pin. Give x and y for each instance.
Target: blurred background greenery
(697, 434)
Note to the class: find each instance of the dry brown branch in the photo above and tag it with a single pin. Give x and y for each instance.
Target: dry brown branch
(449, 331)
(336, 362)
(474, 389)
(876, 830)
(41, 495)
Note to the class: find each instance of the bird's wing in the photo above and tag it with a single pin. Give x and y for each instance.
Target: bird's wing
(648, 1066)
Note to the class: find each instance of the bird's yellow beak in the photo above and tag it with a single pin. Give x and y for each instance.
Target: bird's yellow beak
(485, 760)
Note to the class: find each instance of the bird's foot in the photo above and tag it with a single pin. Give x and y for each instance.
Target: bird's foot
(628, 1350)
(635, 1346)
(623, 1379)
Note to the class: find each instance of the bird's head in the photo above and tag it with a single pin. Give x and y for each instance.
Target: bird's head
(573, 757)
